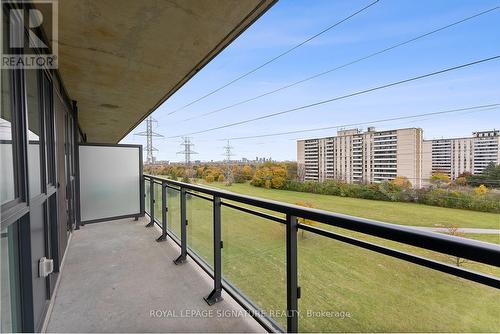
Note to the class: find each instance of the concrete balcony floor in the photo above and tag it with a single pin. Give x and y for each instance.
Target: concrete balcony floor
(114, 274)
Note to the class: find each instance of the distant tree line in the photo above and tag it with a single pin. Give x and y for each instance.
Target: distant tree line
(471, 192)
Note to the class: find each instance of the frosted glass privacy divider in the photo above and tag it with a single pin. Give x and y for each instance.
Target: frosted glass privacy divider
(111, 185)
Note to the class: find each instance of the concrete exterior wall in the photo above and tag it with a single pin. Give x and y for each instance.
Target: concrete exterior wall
(426, 162)
(462, 157)
(455, 156)
(409, 160)
(311, 157)
(486, 149)
(354, 156)
(301, 163)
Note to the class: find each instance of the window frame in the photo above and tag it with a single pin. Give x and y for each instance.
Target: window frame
(14, 209)
(49, 130)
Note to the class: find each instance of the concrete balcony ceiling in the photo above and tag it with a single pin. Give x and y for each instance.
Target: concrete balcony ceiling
(121, 59)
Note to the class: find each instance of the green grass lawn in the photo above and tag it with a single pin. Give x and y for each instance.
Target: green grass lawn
(392, 212)
(493, 238)
(380, 293)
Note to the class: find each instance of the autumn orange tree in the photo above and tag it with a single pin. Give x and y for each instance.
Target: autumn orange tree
(402, 182)
(247, 171)
(212, 173)
(270, 175)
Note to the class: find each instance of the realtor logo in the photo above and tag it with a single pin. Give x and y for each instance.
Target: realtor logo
(24, 43)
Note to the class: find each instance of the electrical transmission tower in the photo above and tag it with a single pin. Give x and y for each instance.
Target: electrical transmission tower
(187, 151)
(228, 154)
(149, 134)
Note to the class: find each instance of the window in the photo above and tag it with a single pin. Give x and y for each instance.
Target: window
(49, 129)
(34, 133)
(7, 176)
(9, 278)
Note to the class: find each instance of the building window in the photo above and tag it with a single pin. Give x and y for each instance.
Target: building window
(7, 177)
(48, 107)
(7, 181)
(34, 133)
(10, 295)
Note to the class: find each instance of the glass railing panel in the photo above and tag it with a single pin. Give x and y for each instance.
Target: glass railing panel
(174, 212)
(147, 197)
(200, 227)
(432, 255)
(157, 198)
(253, 260)
(346, 288)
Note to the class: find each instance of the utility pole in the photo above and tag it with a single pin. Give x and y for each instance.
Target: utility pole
(149, 134)
(187, 151)
(228, 177)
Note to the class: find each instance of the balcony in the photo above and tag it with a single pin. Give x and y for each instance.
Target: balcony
(268, 266)
(117, 279)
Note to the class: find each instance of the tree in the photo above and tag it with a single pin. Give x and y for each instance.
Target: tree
(270, 175)
(402, 182)
(247, 172)
(291, 170)
(238, 175)
(490, 177)
(460, 181)
(301, 172)
(189, 173)
(440, 180)
(220, 178)
(455, 231)
(209, 178)
(199, 172)
(465, 174)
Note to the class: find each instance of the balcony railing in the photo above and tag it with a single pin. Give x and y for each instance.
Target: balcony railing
(264, 263)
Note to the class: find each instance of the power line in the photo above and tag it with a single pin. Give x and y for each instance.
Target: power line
(187, 151)
(317, 75)
(275, 58)
(228, 177)
(227, 151)
(486, 107)
(341, 97)
(463, 111)
(149, 134)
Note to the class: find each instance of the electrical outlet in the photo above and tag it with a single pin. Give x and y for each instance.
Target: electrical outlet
(45, 267)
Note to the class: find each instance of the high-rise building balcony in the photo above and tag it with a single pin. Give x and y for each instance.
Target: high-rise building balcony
(89, 243)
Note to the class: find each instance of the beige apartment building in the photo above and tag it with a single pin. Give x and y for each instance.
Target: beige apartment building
(375, 156)
(363, 157)
(454, 156)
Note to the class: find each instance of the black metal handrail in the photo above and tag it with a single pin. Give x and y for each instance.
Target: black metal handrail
(460, 247)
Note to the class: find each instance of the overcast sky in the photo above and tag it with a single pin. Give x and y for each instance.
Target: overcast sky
(382, 25)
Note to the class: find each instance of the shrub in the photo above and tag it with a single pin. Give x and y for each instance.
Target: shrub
(481, 190)
(439, 179)
(402, 182)
(388, 191)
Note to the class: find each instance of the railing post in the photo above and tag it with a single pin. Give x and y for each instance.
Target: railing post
(164, 209)
(292, 287)
(183, 256)
(151, 203)
(216, 294)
